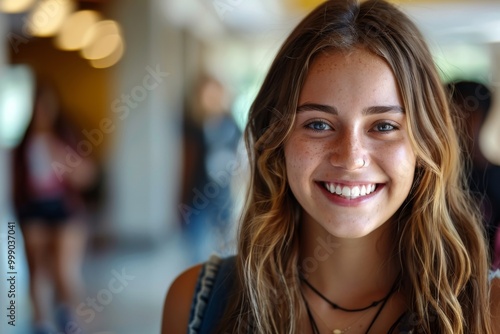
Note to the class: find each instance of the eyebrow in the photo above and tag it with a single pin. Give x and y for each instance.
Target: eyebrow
(367, 111)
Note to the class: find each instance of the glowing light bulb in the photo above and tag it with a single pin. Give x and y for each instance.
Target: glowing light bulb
(101, 40)
(110, 60)
(71, 36)
(15, 6)
(48, 16)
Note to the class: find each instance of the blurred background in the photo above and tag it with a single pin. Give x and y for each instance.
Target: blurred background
(156, 93)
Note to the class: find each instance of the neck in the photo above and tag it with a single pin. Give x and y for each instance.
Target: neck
(328, 263)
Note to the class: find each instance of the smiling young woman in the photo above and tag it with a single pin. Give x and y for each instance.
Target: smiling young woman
(349, 135)
(358, 219)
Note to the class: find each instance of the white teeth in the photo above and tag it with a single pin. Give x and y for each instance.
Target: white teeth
(354, 192)
(338, 190)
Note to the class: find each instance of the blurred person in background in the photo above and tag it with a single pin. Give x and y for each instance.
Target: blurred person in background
(473, 101)
(50, 177)
(211, 137)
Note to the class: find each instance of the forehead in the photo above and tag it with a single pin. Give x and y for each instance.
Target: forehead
(359, 55)
(357, 75)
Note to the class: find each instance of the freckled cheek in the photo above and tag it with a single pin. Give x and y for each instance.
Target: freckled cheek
(300, 158)
(403, 161)
(294, 164)
(290, 161)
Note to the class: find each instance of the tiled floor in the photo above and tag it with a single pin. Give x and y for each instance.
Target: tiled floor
(145, 275)
(132, 307)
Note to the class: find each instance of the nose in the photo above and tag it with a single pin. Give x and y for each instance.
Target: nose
(348, 151)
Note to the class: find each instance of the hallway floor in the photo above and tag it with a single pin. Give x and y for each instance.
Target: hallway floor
(125, 289)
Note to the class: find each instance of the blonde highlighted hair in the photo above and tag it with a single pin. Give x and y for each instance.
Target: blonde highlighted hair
(441, 243)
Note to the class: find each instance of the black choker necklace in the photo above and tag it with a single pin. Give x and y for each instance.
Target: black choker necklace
(338, 307)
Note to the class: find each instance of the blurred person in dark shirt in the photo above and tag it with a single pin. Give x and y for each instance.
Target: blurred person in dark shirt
(50, 177)
(473, 101)
(211, 137)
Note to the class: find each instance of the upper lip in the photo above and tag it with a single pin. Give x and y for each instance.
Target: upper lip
(349, 183)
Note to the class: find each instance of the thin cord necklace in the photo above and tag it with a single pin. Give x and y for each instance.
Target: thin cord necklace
(338, 307)
(314, 326)
(337, 330)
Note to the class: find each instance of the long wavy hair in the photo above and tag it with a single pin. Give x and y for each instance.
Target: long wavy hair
(441, 243)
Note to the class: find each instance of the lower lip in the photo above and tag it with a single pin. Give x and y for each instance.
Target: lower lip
(342, 201)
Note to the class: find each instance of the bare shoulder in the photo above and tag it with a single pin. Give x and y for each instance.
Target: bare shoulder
(495, 304)
(178, 302)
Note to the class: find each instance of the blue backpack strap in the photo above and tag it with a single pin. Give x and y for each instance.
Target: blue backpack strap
(211, 295)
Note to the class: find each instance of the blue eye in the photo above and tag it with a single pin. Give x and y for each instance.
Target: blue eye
(385, 127)
(318, 126)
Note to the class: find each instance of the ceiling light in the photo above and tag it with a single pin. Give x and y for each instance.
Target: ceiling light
(101, 40)
(15, 6)
(71, 36)
(110, 60)
(47, 17)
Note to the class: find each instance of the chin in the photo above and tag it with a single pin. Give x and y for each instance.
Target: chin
(353, 232)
